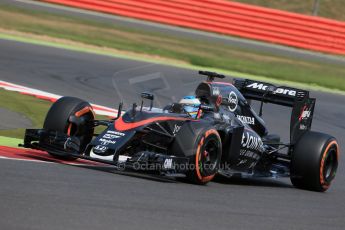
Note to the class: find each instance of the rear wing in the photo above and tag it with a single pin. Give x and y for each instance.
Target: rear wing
(302, 105)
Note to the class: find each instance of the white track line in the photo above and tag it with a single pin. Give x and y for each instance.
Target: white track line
(99, 109)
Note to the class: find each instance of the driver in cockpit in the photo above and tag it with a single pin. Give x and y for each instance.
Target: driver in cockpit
(190, 105)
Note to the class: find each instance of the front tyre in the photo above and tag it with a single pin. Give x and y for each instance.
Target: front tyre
(58, 119)
(314, 161)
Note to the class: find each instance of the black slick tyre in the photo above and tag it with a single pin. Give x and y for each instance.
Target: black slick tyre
(57, 119)
(314, 161)
(206, 158)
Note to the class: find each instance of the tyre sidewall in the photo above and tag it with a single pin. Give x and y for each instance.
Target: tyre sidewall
(189, 144)
(307, 163)
(57, 119)
(206, 135)
(60, 112)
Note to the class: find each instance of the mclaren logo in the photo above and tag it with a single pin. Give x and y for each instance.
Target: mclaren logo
(263, 87)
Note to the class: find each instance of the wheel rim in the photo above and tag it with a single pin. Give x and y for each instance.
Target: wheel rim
(82, 131)
(330, 165)
(208, 159)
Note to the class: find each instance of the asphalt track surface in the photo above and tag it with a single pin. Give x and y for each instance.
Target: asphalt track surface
(55, 196)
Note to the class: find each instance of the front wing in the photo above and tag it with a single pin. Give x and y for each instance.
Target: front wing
(60, 144)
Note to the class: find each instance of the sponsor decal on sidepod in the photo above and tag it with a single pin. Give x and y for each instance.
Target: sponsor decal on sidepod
(246, 120)
(252, 142)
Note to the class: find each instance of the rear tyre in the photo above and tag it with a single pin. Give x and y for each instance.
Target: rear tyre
(57, 119)
(314, 161)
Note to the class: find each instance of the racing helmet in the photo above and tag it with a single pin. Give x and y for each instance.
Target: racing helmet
(190, 105)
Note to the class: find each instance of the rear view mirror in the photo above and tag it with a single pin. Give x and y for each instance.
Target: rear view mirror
(148, 96)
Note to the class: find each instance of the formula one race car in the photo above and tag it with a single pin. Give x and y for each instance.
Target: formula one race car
(221, 135)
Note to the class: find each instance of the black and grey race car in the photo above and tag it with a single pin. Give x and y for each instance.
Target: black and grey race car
(225, 137)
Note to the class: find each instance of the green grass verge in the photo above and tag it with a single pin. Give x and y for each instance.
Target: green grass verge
(333, 9)
(31, 107)
(195, 52)
(10, 141)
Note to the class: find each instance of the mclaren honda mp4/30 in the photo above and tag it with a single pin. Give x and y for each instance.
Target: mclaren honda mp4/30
(225, 137)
